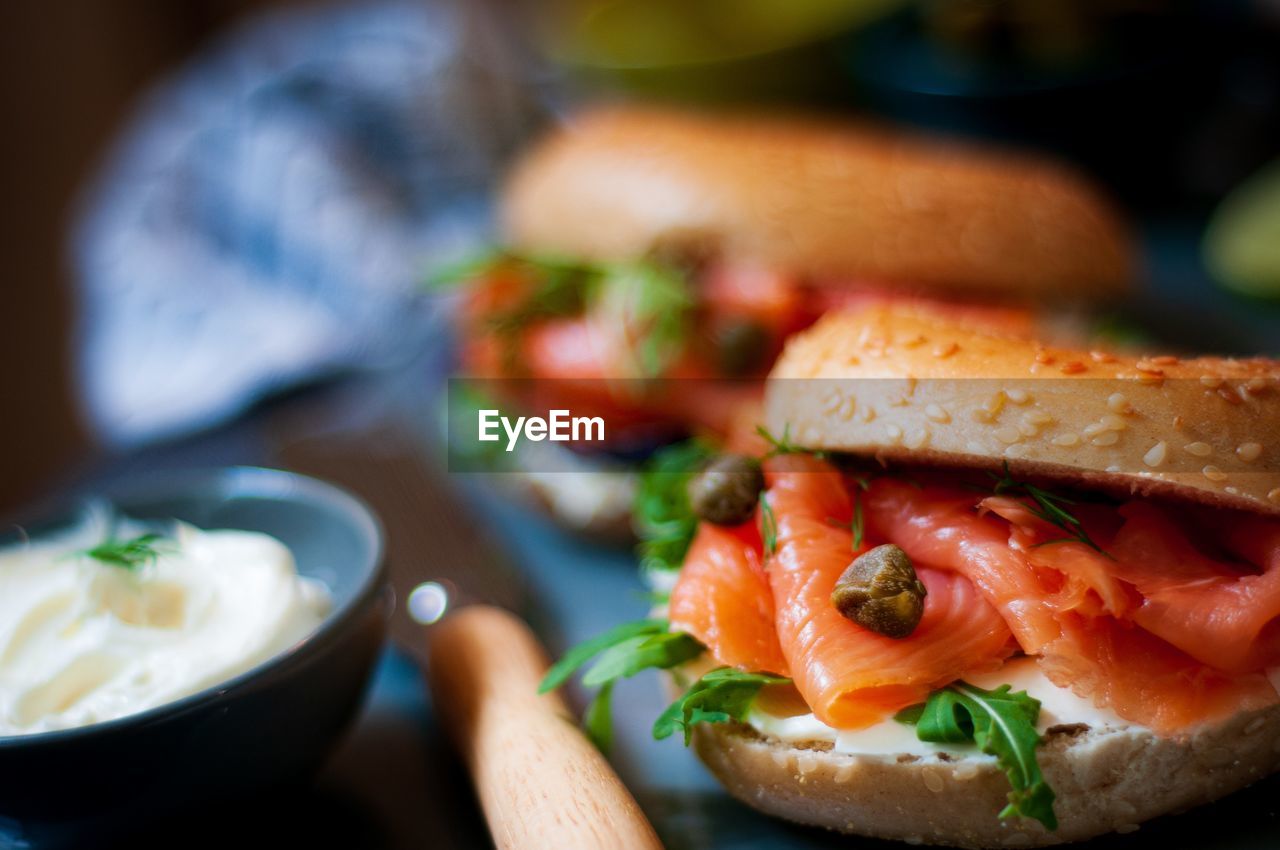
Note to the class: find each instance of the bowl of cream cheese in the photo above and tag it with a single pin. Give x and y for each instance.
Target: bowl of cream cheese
(179, 641)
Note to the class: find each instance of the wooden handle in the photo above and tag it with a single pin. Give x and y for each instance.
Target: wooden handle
(541, 782)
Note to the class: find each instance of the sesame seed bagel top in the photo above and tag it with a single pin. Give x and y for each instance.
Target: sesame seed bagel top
(837, 202)
(906, 384)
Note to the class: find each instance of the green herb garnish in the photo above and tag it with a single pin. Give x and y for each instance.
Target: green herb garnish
(661, 514)
(132, 554)
(721, 695)
(623, 652)
(858, 525)
(1002, 724)
(768, 526)
(652, 301)
(783, 445)
(1048, 507)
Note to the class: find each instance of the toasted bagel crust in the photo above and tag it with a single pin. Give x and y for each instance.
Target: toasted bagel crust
(1105, 780)
(817, 199)
(955, 394)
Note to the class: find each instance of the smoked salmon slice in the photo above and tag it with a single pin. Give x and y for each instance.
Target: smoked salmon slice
(1164, 611)
(723, 599)
(1225, 614)
(852, 677)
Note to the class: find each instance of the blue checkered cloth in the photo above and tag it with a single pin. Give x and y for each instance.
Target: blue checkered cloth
(268, 216)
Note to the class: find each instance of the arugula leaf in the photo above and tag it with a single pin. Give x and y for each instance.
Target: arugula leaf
(661, 514)
(1048, 507)
(644, 652)
(131, 554)
(721, 695)
(768, 525)
(598, 719)
(585, 651)
(623, 651)
(1002, 724)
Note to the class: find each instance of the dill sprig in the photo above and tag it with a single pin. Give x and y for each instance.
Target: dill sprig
(131, 554)
(649, 298)
(783, 445)
(768, 526)
(1047, 506)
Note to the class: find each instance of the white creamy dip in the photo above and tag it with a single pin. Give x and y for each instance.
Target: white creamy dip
(82, 641)
(891, 738)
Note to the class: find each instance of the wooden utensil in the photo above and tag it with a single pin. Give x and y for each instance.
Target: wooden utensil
(542, 784)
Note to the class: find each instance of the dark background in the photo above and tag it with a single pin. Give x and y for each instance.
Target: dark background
(1171, 103)
(71, 70)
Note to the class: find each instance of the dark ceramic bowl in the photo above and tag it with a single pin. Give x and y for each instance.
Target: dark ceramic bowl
(252, 734)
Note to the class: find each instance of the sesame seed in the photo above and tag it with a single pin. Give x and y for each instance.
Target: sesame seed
(1106, 438)
(1102, 356)
(1114, 422)
(1230, 395)
(1153, 378)
(1149, 366)
(1117, 403)
(917, 438)
(1027, 429)
(893, 431)
(1198, 449)
(1008, 434)
(1256, 384)
(1038, 417)
(1213, 473)
(1066, 440)
(1044, 357)
(1073, 367)
(832, 403)
(981, 414)
(1094, 428)
(937, 414)
(1178, 423)
(868, 414)
(1211, 381)
(1274, 495)
(1248, 452)
(1018, 396)
(1165, 360)
(1156, 455)
(946, 350)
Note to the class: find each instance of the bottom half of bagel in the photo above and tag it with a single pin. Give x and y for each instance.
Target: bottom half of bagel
(1106, 780)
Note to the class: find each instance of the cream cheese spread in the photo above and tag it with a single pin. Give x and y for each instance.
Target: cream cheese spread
(83, 641)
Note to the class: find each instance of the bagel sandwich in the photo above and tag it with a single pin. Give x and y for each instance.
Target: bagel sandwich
(967, 589)
(643, 247)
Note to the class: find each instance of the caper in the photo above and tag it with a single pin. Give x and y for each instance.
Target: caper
(881, 592)
(726, 491)
(740, 346)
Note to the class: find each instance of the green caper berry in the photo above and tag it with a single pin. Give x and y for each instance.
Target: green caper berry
(740, 347)
(726, 491)
(881, 592)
